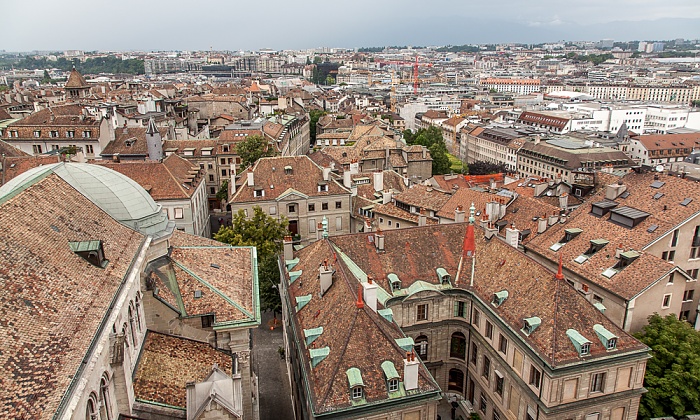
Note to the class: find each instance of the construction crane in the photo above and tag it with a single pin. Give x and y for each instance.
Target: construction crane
(415, 66)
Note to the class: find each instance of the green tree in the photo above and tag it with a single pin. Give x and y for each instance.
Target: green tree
(47, 78)
(330, 80)
(673, 373)
(314, 116)
(253, 148)
(265, 233)
(223, 191)
(432, 139)
(481, 167)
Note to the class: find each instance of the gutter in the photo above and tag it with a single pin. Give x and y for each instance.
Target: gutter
(71, 396)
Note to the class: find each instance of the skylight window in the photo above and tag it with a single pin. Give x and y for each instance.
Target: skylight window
(657, 184)
(686, 201)
(658, 195)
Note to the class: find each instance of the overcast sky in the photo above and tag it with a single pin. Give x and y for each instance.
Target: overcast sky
(283, 24)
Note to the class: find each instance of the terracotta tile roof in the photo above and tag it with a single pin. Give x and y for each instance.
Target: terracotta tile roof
(573, 160)
(75, 80)
(423, 197)
(453, 121)
(4, 115)
(304, 178)
(17, 165)
(237, 135)
(51, 307)
(197, 145)
(435, 114)
(448, 182)
(356, 337)
(670, 141)
(168, 363)
(62, 115)
(543, 119)
(415, 253)
(665, 212)
(391, 180)
(391, 210)
(465, 197)
(167, 180)
(130, 141)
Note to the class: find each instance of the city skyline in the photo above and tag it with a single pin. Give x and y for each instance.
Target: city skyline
(168, 26)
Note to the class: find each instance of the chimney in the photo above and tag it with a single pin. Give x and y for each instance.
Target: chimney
(288, 248)
(562, 217)
(422, 219)
(251, 181)
(360, 303)
(347, 179)
(368, 225)
(354, 167)
(553, 218)
(386, 196)
(537, 139)
(319, 231)
(613, 191)
(564, 201)
(232, 182)
(326, 173)
(425, 152)
(378, 180)
(353, 191)
(492, 183)
(379, 240)
(490, 230)
(560, 271)
(154, 141)
(512, 236)
(502, 207)
(459, 214)
(619, 250)
(370, 293)
(410, 372)
(541, 224)
(325, 274)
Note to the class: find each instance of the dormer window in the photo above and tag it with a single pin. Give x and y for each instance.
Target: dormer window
(443, 275)
(87, 134)
(322, 186)
(627, 216)
(259, 193)
(90, 251)
(394, 281)
(531, 324)
(585, 349)
(355, 382)
(596, 245)
(608, 339)
(581, 343)
(569, 234)
(37, 133)
(393, 385)
(288, 170)
(357, 393)
(499, 297)
(602, 208)
(53, 133)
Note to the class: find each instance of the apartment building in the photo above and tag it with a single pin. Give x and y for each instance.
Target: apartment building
(55, 128)
(633, 250)
(494, 144)
(517, 86)
(497, 332)
(558, 158)
(657, 149)
(297, 189)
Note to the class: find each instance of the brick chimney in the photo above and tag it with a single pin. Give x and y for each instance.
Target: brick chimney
(325, 273)
(370, 293)
(410, 372)
(288, 248)
(360, 303)
(490, 230)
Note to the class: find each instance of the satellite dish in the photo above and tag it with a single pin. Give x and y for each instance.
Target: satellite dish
(549, 193)
(659, 168)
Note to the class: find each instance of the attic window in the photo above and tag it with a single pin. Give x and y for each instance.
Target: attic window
(391, 375)
(288, 170)
(686, 201)
(625, 194)
(658, 195)
(657, 184)
(499, 297)
(627, 216)
(531, 324)
(443, 275)
(569, 234)
(608, 339)
(581, 343)
(130, 142)
(652, 228)
(626, 258)
(259, 193)
(601, 208)
(355, 382)
(90, 251)
(322, 186)
(345, 154)
(394, 282)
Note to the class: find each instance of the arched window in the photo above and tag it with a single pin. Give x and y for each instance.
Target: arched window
(456, 381)
(458, 346)
(105, 406)
(421, 347)
(91, 409)
(132, 327)
(124, 333)
(138, 312)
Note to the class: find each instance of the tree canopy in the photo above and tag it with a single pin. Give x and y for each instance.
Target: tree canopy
(432, 139)
(265, 233)
(107, 64)
(673, 373)
(314, 116)
(253, 148)
(486, 168)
